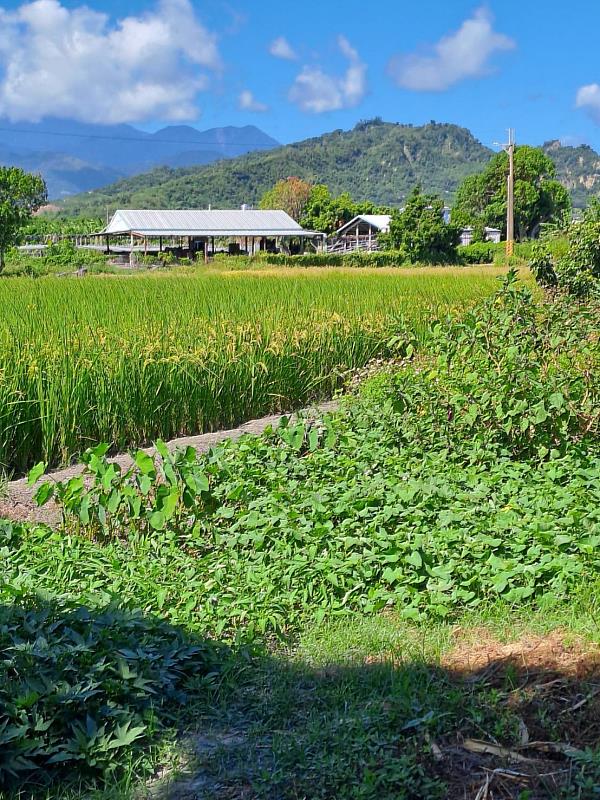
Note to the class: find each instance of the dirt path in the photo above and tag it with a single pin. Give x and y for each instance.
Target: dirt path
(17, 504)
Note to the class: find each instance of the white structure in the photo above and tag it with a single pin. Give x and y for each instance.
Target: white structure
(193, 230)
(359, 234)
(491, 235)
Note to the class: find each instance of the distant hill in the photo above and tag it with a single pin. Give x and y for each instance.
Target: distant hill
(376, 160)
(76, 157)
(578, 169)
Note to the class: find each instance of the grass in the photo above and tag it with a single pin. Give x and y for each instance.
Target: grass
(129, 359)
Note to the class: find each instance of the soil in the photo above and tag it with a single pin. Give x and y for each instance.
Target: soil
(551, 684)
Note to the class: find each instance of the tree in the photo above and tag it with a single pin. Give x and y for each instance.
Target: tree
(290, 195)
(326, 213)
(539, 198)
(421, 233)
(20, 195)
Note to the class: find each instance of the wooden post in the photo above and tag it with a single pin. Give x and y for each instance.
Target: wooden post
(160, 244)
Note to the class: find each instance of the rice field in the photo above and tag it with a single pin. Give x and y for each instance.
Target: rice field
(129, 359)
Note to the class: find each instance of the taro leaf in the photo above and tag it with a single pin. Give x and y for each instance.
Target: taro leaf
(145, 484)
(144, 463)
(161, 448)
(44, 494)
(36, 473)
(197, 482)
(169, 504)
(157, 521)
(313, 439)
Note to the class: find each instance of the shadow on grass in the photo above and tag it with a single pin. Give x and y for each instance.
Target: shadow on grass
(87, 696)
(488, 721)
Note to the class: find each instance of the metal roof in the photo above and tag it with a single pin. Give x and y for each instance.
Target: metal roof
(204, 223)
(379, 221)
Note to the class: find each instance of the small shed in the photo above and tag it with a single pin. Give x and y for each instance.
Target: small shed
(361, 233)
(198, 230)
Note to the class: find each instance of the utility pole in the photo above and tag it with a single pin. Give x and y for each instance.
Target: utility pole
(510, 220)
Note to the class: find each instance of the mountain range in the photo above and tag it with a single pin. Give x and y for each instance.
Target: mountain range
(77, 157)
(378, 161)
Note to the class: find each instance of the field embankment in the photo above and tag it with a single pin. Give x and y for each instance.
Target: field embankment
(130, 359)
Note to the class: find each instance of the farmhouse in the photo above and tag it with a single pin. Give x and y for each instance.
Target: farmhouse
(195, 231)
(359, 234)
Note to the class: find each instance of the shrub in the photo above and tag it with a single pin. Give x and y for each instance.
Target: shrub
(571, 265)
(383, 258)
(507, 377)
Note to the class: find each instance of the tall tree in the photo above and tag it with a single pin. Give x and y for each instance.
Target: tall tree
(20, 195)
(290, 195)
(421, 233)
(539, 198)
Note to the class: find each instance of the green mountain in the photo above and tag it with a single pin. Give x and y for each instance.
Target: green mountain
(578, 168)
(376, 161)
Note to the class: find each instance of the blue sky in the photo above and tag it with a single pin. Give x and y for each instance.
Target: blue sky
(299, 69)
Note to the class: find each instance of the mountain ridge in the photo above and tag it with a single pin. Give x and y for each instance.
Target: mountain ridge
(86, 156)
(376, 161)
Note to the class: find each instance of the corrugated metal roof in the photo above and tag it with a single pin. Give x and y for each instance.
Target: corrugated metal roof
(203, 223)
(379, 221)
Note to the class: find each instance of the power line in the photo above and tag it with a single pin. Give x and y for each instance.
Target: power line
(148, 140)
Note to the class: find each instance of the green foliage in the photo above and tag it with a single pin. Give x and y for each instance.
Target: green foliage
(46, 226)
(480, 252)
(572, 265)
(152, 494)
(20, 195)
(419, 231)
(384, 258)
(491, 253)
(469, 474)
(539, 198)
(507, 378)
(326, 213)
(81, 691)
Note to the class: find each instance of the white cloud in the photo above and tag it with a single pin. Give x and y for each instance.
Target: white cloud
(316, 91)
(588, 97)
(460, 55)
(248, 102)
(76, 63)
(281, 48)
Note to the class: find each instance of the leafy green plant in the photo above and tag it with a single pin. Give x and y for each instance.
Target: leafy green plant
(575, 268)
(509, 375)
(79, 688)
(150, 495)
